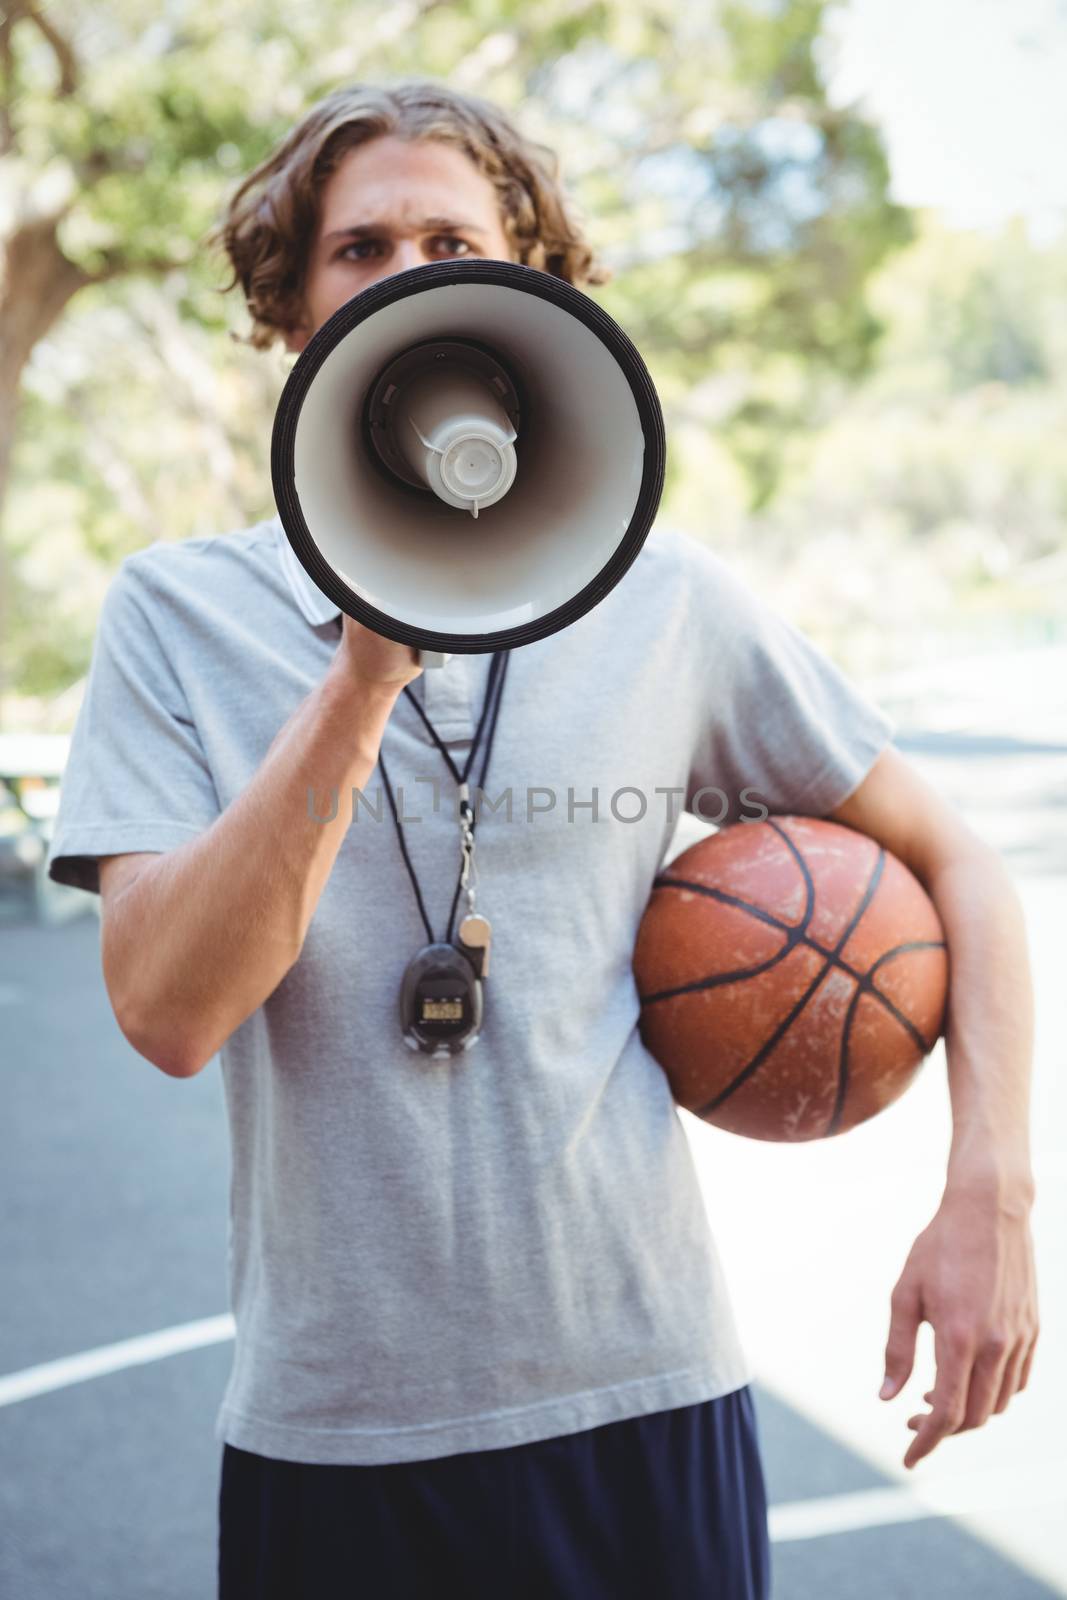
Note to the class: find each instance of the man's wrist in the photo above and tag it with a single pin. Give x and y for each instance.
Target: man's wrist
(348, 690)
(998, 1175)
(360, 709)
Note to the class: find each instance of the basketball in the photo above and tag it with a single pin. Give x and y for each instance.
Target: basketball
(792, 974)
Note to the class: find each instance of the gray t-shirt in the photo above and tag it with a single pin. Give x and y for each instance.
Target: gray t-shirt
(434, 1257)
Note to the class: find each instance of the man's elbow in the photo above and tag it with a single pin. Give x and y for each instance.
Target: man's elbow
(145, 1029)
(167, 1051)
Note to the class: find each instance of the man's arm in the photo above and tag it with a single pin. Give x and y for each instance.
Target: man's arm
(201, 935)
(971, 1272)
(989, 1030)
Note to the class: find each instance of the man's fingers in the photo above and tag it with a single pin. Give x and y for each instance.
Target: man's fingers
(913, 1422)
(954, 1353)
(987, 1377)
(1028, 1361)
(905, 1316)
(973, 1383)
(1012, 1372)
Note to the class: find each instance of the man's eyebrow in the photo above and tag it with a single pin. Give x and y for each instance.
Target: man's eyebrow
(359, 230)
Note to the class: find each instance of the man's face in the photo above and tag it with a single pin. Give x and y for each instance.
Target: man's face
(390, 205)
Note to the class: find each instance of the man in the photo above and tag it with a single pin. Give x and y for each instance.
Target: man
(483, 1341)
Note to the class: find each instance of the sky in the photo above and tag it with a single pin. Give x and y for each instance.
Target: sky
(972, 99)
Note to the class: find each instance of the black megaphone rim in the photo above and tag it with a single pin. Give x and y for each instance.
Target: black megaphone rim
(386, 292)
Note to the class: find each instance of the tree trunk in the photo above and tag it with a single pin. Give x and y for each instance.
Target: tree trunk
(39, 281)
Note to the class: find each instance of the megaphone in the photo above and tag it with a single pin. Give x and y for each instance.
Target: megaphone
(467, 456)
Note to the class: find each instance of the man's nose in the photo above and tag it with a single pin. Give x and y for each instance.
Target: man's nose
(408, 253)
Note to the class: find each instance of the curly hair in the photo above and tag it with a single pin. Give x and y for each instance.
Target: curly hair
(270, 219)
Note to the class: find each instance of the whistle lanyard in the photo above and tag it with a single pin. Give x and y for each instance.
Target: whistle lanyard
(494, 692)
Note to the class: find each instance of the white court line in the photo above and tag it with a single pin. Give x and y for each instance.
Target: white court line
(114, 1357)
(1038, 1485)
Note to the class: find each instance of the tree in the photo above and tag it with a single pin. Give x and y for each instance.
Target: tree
(741, 212)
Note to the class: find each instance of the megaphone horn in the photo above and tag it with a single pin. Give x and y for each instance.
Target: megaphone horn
(468, 456)
(464, 399)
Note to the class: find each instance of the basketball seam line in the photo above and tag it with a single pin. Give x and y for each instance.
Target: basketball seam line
(861, 978)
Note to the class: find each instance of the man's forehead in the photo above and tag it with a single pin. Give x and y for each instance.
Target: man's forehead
(405, 216)
(391, 191)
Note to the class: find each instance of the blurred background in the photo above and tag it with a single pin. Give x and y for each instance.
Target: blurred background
(838, 230)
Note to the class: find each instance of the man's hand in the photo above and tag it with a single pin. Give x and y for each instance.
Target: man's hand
(377, 662)
(971, 1275)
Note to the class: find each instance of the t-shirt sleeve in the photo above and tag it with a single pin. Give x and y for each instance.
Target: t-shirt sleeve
(781, 727)
(136, 776)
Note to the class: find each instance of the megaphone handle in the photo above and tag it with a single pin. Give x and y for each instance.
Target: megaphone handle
(433, 658)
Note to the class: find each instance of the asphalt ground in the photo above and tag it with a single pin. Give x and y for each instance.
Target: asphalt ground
(114, 1196)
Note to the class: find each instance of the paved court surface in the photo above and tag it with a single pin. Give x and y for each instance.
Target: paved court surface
(113, 1189)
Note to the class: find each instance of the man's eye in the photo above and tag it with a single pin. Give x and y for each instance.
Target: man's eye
(359, 244)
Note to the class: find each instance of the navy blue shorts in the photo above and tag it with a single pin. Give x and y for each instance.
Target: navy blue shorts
(670, 1505)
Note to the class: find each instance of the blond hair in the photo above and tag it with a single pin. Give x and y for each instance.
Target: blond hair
(271, 219)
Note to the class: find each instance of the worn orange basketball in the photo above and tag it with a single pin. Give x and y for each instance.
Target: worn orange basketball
(793, 975)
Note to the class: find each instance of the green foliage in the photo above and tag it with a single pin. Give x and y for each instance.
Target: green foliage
(930, 506)
(742, 213)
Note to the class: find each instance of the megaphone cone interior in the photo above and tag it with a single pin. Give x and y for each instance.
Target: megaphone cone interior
(541, 410)
(444, 416)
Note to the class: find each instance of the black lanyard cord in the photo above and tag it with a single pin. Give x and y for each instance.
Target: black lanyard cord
(495, 668)
(498, 686)
(493, 695)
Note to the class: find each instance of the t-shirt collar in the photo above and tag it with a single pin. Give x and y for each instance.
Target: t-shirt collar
(315, 607)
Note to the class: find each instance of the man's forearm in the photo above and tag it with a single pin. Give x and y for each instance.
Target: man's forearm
(989, 1030)
(207, 931)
